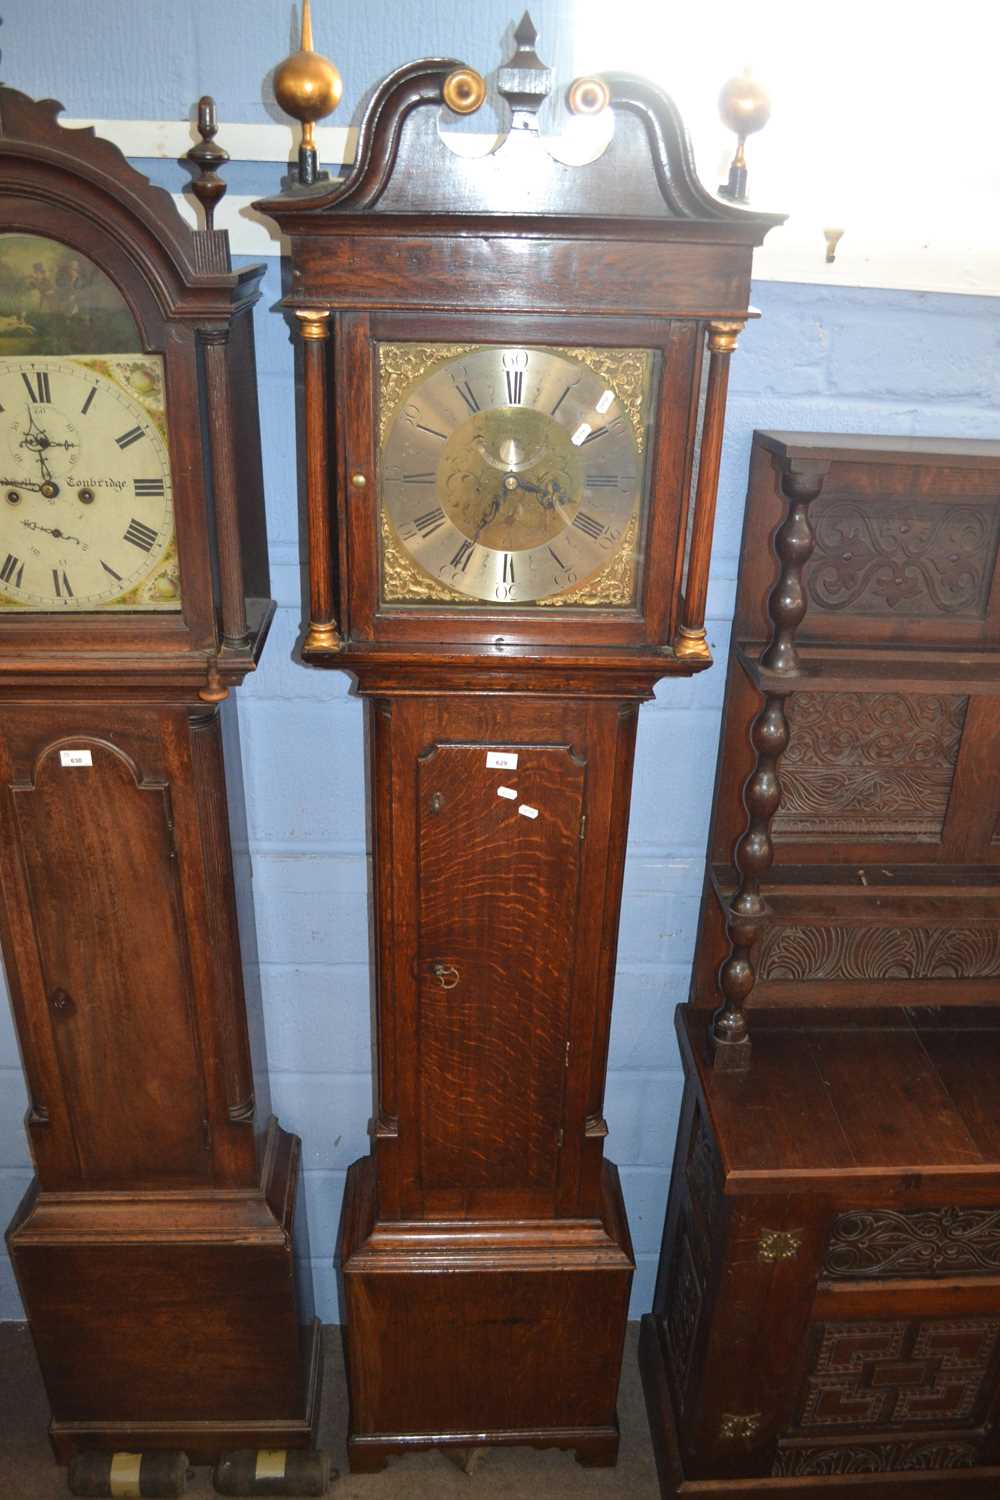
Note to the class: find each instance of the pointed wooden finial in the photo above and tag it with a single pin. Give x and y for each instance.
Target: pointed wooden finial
(205, 156)
(526, 34)
(308, 87)
(524, 80)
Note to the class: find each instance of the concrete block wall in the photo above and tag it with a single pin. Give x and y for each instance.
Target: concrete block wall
(819, 359)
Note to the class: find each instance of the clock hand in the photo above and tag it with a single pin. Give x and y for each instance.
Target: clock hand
(48, 487)
(52, 531)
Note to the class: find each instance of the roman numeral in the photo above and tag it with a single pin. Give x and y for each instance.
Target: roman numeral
(116, 576)
(602, 481)
(12, 571)
(418, 478)
(467, 395)
(60, 585)
(592, 437)
(140, 535)
(557, 559)
(430, 521)
(433, 431)
(559, 403)
(43, 392)
(515, 386)
(128, 438)
(90, 396)
(508, 568)
(463, 555)
(588, 525)
(148, 486)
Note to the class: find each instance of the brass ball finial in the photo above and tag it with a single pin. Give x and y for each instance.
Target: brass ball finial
(308, 87)
(464, 91)
(745, 107)
(588, 96)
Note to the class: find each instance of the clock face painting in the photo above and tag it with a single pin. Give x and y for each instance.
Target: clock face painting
(512, 475)
(86, 510)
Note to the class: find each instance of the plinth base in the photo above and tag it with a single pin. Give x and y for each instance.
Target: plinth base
(170, 1320)
(467, 1335)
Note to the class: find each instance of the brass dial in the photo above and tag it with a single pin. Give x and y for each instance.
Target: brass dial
(510, 475)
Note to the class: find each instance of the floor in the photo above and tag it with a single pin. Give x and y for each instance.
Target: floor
(28, 1473)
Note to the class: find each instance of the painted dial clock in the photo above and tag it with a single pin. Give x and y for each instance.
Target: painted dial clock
(154, 1250)
(506, 384)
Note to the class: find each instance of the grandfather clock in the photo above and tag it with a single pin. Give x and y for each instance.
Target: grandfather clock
(154, 1249)
(503, 365)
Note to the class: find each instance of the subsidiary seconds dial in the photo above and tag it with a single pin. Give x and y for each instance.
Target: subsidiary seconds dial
(510, 475)
(86, 513)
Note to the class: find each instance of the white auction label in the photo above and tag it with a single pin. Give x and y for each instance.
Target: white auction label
(501, 760)
(75, 758)
(508, 792)
(271, 1463)
(528, 812)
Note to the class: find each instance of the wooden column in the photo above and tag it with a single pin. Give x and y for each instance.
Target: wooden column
(227, 523)
(691, 643)
(754, 853)
(323, 635)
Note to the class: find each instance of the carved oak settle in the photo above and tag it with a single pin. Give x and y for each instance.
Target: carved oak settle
(828, 1302)
(502, 361)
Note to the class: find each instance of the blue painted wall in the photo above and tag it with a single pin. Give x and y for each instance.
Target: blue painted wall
(861, 361)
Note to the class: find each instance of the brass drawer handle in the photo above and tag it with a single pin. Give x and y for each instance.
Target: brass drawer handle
(446, 975)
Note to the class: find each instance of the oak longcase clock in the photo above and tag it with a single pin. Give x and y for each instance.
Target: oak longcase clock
(154, 1248)
(503, 369)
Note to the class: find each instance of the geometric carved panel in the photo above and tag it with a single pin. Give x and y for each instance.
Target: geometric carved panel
(924, 1242)
(796, 953)
(902, 1374)
(910, 557)
(684, 1304)
(878, 765)
(875, 1458)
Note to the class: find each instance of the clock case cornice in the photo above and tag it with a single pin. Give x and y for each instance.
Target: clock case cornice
(179, 284)
(659, 196)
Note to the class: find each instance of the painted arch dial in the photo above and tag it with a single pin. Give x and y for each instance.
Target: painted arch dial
(86, 510)
(513, 475)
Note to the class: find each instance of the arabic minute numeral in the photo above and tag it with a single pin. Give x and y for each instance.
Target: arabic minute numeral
(128, 438)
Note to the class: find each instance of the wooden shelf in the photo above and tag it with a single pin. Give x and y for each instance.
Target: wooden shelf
(855, 668)
(828, 893)
(887, 1096)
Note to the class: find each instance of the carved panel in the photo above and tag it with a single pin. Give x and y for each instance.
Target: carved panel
(923, 1242)
(901, 1374)
(700, 1174)
(789, 953)
(903, 557)
(875, 1458)
(684, 1305)
(878, 765)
